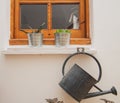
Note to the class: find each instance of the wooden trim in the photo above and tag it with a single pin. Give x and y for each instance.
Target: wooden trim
(51, 41)
(50, 1)
(49, 16)
(80, 41)
(12, 19)
(17, 18)
(82, 16)
(18, 41)
(32, 2)
(65, 1)
(82, 11)
(87, 19)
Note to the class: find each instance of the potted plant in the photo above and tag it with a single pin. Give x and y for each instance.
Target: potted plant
(62, 37)
(35, 38)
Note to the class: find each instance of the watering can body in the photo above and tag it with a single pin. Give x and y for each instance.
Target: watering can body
(77, 82)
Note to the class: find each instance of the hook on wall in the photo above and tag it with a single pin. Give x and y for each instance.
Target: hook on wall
(80, 50)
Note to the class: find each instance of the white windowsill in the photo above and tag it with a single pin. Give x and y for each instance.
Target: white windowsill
(47, 49)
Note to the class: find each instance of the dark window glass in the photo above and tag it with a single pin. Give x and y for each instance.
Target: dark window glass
(65, 16)
(33, 16)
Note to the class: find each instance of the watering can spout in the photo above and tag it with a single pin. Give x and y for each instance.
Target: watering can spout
(112, 90)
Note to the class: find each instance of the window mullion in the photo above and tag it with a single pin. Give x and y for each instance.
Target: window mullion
(49, 16)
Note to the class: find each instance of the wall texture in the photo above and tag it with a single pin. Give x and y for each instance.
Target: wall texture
(33, 78)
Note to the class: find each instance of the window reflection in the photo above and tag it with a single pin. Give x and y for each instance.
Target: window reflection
(65, 16)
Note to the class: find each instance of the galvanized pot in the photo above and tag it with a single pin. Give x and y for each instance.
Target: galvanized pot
(77, 82)
(35, 39)
(62, 39)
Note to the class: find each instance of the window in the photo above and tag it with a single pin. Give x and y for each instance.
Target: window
(57, 14)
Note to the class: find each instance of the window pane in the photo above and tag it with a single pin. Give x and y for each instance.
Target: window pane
(33, 15)
(65, 16)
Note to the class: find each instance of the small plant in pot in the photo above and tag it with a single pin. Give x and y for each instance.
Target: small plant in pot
(35, 38)
(62, 37)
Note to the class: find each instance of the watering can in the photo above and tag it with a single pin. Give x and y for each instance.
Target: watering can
(77, 82)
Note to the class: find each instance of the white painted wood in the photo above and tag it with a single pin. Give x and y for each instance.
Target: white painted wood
(46, 49)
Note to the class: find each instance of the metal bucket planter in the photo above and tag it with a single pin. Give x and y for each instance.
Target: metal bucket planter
(35, 39)
(62, 39)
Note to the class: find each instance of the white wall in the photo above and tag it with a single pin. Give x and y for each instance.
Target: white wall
(33, 78)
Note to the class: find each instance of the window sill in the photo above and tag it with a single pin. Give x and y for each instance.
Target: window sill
(46, 49)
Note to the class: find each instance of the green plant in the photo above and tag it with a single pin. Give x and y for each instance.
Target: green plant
(34, 31)
(62, 37)
(63, 31)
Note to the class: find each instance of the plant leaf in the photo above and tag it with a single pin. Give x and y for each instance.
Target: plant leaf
(54, 100)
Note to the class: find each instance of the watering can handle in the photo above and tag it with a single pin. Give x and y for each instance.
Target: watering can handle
(84, 53)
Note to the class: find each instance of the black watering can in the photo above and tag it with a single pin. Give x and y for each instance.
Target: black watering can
(77, 82)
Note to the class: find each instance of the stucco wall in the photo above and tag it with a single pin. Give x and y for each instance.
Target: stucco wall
(33, 78)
